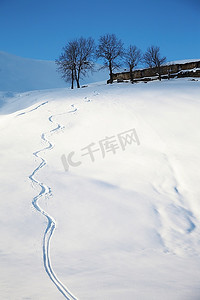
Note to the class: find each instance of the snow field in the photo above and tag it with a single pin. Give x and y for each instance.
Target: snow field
(127, 225)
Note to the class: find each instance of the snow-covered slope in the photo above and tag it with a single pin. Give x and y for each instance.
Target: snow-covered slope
(125, 202)
(19, 74)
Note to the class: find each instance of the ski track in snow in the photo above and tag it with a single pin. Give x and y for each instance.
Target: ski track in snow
(46, 192)
(24, 113)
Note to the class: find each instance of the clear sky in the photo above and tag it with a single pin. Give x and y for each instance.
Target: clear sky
(40, 28)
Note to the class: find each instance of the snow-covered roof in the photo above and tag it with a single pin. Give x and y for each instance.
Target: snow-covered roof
(185, 61)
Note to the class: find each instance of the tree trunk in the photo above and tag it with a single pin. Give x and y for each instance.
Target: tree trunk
(131, 74)
(111, 73)
(78, 78)
(72, 86)
(159, 73)
(77, 82)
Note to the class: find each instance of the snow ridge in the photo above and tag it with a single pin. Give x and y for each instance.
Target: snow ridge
(46, 192)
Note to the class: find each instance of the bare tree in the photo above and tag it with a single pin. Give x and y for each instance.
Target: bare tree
(152, 58)
(132, 57)
(110, 49)
(66, 62)
(76, 60)
(84, 63)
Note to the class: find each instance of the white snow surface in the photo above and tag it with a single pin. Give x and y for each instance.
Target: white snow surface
(184, 61)
(127, 224)
(19, 74)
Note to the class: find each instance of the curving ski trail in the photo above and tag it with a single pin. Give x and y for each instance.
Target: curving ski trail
(46, 192)
(24, 113)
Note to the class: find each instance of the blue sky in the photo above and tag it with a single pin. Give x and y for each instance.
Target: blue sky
(40, 28)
